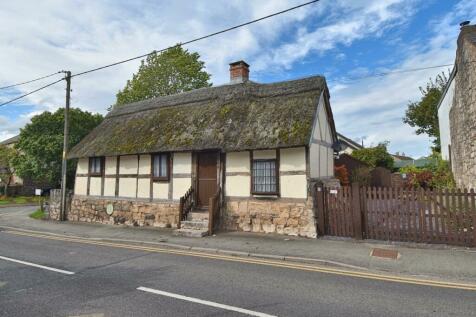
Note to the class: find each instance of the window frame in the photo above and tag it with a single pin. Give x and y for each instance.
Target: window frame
(153, 158)
(276, 167)
(101, 166)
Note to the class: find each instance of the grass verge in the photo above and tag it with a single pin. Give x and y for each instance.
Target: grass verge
(18, 200)
(38, 214)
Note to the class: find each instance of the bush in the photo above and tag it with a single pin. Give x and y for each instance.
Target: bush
(342, 175)
(361, 175)
(437, 174)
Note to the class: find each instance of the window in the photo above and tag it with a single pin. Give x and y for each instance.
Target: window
(95, 166)
(160, 166)
(265, 179)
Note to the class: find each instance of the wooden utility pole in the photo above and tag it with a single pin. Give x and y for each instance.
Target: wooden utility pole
(65, 146)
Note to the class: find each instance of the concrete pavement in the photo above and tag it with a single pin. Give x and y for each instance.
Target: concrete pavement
(435, 261)
(110, 281)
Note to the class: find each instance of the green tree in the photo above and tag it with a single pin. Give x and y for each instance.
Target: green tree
(376, 156)
(6, 169)
(40, 145)
(160, 74)
(423, 114)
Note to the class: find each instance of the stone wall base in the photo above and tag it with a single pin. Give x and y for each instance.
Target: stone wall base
(127, 212)
(280, 216)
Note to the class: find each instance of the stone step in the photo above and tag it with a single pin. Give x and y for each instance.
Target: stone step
(192, 233)
(194, 224)
(198, 216)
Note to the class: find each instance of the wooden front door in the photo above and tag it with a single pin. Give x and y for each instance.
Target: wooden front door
(207, 177)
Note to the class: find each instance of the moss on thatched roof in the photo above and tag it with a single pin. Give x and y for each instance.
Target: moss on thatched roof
(229, 117)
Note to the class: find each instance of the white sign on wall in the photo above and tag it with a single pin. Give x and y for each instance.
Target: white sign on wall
(38, 192)
(109, 209)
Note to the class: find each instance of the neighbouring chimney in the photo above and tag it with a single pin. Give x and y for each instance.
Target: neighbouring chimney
(464, 23)
(239, 72)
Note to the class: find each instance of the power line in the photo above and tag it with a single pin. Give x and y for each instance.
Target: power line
(408, 70)
(30, 81)
(31, 92)
(198, 38)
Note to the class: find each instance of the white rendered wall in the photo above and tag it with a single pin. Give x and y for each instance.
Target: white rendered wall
(143, 188)
(160, 190)
(181, 174)
(83, 164)
(127, 186)
(238, 180)
(111, 165)
(145, 164)
(292, 168)
(95, 186)
(81, 186)
(110, 187)
(321, 154)
(444, 120)
(128, 164)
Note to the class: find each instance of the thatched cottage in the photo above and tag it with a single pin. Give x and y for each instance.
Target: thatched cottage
(241, 156)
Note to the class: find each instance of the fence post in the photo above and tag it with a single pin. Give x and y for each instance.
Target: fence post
(356, 212)
(319, 190)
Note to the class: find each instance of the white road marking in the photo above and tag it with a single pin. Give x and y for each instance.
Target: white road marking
(36, 265)
(205, 302)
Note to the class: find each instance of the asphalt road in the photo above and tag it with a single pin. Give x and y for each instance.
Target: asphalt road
(106, 281)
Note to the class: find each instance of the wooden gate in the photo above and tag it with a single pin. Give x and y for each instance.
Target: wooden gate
(397, 214)
(338, 212)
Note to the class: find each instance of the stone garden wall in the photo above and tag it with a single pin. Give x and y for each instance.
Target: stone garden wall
(54, 203)
(283, 216)
(127, 212)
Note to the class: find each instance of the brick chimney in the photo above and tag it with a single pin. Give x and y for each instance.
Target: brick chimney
(239, 72)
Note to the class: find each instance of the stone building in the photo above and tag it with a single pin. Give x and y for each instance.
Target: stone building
(257, 148)
(457, 111)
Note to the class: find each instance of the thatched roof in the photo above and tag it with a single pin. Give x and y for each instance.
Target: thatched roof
(230, 118)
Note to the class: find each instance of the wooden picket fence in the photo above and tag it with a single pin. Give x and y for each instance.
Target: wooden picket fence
(397, 214)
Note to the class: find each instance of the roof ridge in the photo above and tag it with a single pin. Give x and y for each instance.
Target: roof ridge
(236, 91)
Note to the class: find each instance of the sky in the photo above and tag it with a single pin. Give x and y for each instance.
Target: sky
(347, 41)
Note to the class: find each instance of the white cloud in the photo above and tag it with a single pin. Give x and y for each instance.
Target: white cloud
(356, 20)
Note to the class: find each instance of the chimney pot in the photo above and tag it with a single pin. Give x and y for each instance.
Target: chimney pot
(464, 23)
(239, 72)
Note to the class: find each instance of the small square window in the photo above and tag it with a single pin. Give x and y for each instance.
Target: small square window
(95, 166)
(265, 179)
(160, 166)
